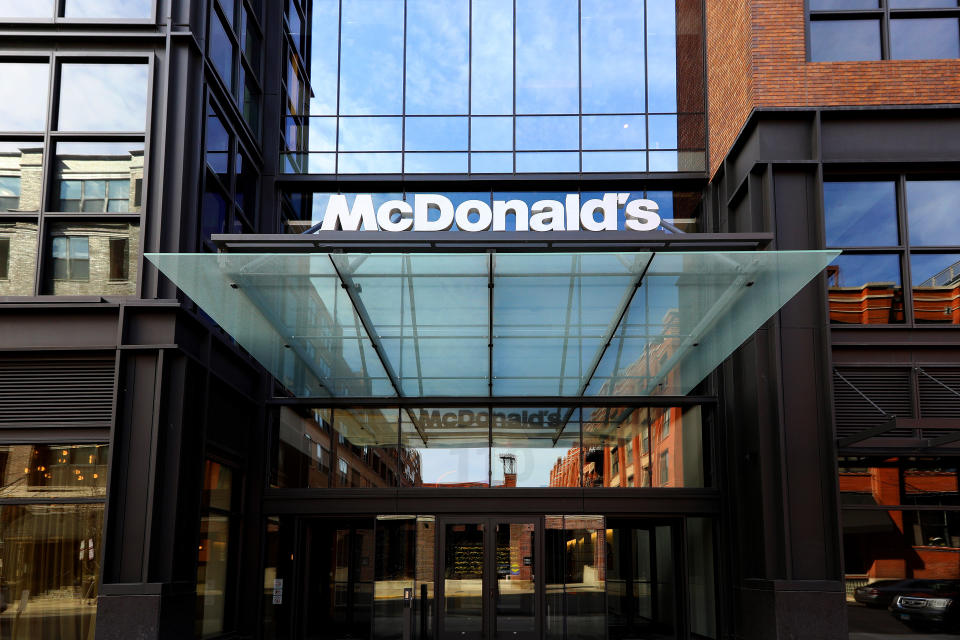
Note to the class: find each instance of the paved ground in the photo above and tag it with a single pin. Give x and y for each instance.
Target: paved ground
(877, 624)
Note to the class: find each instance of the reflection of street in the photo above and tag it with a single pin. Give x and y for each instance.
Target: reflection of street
(869, 623)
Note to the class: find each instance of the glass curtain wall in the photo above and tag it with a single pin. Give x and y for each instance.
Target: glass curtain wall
(496, 87)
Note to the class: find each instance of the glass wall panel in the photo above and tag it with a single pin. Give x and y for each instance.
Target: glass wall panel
(18, 257)
(614, 161)
(545, 162)
(83, 259)
(436, 134)
(133, 9)
(446, 447)
(637, 447)
(491, 162)
(49, 570)
(369, 163)
(575, 574)
(860, 213)
(435, 162)
(491, 72)
(370, 134)
(53, 471)
(395, 560)
(836, 5)
(102, 97)
(324, 61)
(515, 597)
(371, 57)
(547, 133)
(932, 212)
(26, 108)
(547, 56)
(936, 287)
(701, 585)
(214, 590)
(613, 64)
(491, 134)
(662, 57)
(463, 561)
(832, 40)
(865, 289)
(924, 38)
(437, 50)
(536, 447)
(21, 167)
(27, 9)
(614, 132)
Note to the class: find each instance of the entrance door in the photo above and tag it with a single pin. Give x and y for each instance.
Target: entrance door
(489, 587)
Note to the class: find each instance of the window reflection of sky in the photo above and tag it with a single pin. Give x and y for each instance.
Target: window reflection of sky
(924, 39)
(844, 40)
(857, 270)
(103, 97)
(932, 210)
(860, 213)
(24, 109)
(924, 266)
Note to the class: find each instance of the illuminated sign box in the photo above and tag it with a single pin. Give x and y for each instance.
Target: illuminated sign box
(477, 215)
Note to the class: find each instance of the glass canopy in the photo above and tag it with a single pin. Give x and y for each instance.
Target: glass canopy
(352, 325)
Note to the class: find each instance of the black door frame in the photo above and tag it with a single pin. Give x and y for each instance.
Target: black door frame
(489, 586)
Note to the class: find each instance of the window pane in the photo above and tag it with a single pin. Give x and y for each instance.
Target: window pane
(435, 163)
(371, 57)
(536, 447)
(547, 56)
(26, 8)
(437, 56)
(931, 208)
(368, 163)
(662, 57)
(217, 146)
(436, 134)
(614, 161)
(212, 566)
(612, 67)
(922, 4)
(26, 108)
(103, 97)
(936, 287)
(458, 454)
(924, 38)
(371, 134)
(213, 214)
(51, 559)
(663, 132)
(865, 289)
(108, 9)
(548, 133)
(221, 50)
(491, 162)
(614, 132)
(80, 259)
(53, 471)
(20, 175)
(701, 578)
(860, 214)
(548, 162)
(4, 257)
(116, 162)
(491, 134)
(119, 258)
(324, 43)
(491, 69)
(844, 40)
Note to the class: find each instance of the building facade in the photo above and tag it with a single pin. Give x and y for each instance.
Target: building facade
(476, 319)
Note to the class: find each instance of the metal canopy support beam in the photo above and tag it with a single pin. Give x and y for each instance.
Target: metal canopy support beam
(462, 241)
(500, 401)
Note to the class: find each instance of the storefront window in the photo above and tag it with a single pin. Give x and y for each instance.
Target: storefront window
(50, 551)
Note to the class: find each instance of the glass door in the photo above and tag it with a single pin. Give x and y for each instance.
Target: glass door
(489, 585)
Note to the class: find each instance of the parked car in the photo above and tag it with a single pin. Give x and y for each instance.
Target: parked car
(940, 609)
(882, 592)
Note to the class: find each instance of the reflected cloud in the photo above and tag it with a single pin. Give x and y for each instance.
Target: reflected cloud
(108, 9)
(103, 97)
(24, 106)
(437, 56)
(27, 8)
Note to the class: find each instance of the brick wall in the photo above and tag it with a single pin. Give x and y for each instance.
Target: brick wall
(756, 57)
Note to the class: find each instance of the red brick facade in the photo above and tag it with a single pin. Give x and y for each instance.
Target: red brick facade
(756, 58)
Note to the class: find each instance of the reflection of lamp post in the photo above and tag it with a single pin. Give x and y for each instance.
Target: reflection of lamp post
(509, 469)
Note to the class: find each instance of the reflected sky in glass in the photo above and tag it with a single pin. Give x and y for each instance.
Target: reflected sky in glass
(491, 162)
(934, 269)
(436, 134)
(26, 108)
(932, 211)
(547, 133)
(371, 57)
(435, 163)
(437, 56)
(323, 57)
(103, 97)
(662, 56)
(26, 8)
(837, 5)
(453, 445)
(492, 57)
(491, 134)
(614, 132)
(547, 162)
(109, 8)
(924, 38)
(860, 214)
(613, 58)
(844, 40)
(368, 162)
(858, 270)
(370, 134)
(547, 56)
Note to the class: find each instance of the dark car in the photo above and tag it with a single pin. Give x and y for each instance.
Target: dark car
(940, 609)
(882, 592)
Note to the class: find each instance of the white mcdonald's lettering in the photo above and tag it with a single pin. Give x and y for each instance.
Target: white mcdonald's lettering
(476, 215)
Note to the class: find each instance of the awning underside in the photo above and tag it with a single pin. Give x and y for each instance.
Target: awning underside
(352, 325)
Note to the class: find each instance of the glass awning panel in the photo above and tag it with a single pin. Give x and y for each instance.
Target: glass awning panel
(351, 325)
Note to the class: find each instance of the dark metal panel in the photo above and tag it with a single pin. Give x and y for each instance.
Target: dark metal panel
(861, 137)
(61, 391)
